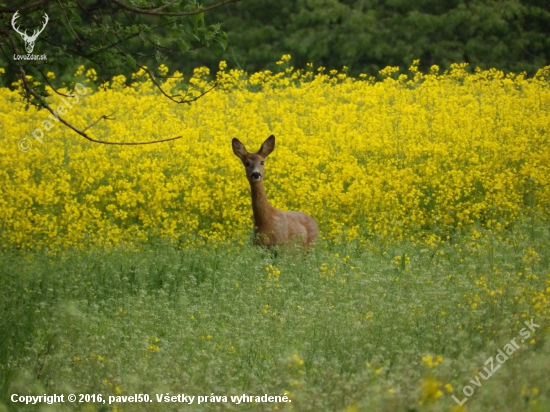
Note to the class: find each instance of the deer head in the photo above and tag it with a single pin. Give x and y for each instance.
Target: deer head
(29, 40)
(254, 162)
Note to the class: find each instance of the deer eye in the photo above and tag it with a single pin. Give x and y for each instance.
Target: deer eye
(247, 164)
(262, 162)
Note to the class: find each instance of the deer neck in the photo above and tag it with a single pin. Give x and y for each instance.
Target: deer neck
(260, 205)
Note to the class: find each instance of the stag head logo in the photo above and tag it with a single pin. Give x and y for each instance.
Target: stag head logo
(29, 40)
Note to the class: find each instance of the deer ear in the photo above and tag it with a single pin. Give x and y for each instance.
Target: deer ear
(267, 146)
(239, 149)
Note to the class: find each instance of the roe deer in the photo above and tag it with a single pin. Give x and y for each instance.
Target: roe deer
(272, 226)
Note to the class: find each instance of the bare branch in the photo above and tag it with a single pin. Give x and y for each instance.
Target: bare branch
(25, 7)
(49, 84)
(162, 13)
(30, 92)
(38, 97)
(105, 116)
(85, 10)
(166, 5)
(155, 45)
(183, 100)
(68, 21)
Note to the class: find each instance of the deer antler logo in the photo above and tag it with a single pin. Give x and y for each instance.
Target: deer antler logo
(29, 40)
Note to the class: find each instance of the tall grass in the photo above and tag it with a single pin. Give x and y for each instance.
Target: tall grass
(127, 270)
(387, 326)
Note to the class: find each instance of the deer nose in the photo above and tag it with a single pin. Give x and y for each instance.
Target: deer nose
(256, 175)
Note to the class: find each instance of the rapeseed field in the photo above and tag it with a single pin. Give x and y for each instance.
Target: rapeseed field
(130, 271)
(417, 155)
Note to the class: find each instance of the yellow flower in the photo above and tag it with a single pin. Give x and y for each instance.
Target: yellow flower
(436, 176)
(295, 361)
(430, 391)
(352, 408)
(432, 362)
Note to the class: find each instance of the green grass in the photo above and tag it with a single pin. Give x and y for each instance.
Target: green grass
(336, 332)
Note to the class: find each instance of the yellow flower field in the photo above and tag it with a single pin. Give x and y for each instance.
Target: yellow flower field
(413, 155)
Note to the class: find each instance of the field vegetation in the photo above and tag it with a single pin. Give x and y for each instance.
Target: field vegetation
(130, 269)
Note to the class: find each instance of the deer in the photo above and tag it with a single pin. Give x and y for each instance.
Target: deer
(29, 40)
(272, 227)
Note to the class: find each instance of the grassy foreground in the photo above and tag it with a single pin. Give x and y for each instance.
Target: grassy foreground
(349, 327)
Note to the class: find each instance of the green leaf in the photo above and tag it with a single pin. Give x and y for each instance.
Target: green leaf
(130, 62)
(222, 40)
(189, 28)
(159, 57)
(183, 44)
(197, 19)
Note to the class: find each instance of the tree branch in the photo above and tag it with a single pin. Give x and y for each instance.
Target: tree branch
(155, 45)
(165, 5)
(22, 8)
(68, 21)
(162, 13)
(105, 39)
(49, 84)
(30, 92)
(105, 116)
(122, 40)
(183, 100)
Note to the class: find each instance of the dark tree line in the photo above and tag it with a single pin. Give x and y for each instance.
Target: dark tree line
(368, 35)
(120, 36)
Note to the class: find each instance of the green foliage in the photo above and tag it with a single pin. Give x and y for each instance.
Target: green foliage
(111, 37)
(364, 35)
(368, 35)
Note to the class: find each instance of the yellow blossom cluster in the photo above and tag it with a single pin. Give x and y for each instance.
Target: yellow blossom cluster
(431, 390)
(431, 361)
(416, 153)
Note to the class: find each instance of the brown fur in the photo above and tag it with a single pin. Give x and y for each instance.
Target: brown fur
(271, 226)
